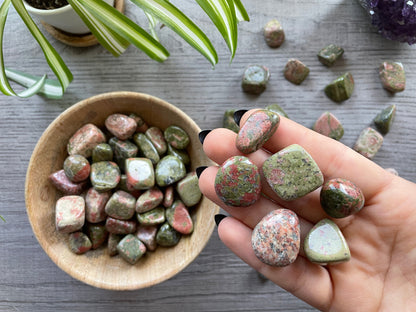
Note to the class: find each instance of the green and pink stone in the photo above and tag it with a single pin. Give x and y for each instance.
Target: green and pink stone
(79, 243)
(131, 249)
(274, 34)
(340, 89)
(392, 76)
(85, 140)
(121, 126)
(369, 142)
(255, 79)
(327, 124)
(69, 213)
(295, 71)
(330, 54)
(77, 168)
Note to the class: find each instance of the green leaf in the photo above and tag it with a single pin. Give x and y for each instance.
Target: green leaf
(126, 28)
(241, 12)
(168, 14)
(152, 25)
(2, 218)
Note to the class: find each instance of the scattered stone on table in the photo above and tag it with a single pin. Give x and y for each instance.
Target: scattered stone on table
(325, 244)
(237, 182)
(188, 189)
(65, 185)
(385, 118)
(123, 150)
(102, 152)
(97, 233)
(79, 243)
(392, 171)
(169, 170)
(328, 125)
(182, 154)
(295, 71)
(275, 108)
(167, 236)
(155, 135)
(152, 217)
(77, 168)
(274, 34)
(121, 126)
(113, 240)
(369, 142)
(95, 205)
(149, 200)
(176, 137)
(141, 124)
(126, 187)
(131, 249)
(392, 76)
(329, 54)
(179, 218)
(341, 88)
(255, 79)
(341, 198)
(105, 175)
(69, 213)
(276, 238)
(85, 140)
(140, 173)
(121, 205)
(168, 197)
(117, 226)
(292, 173)
(228, 121)
(258, 128)
(147, 235)
(146, 148)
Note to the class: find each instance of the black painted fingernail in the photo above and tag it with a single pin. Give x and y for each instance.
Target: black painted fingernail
(238, 114)
(199, 170)
(218, 218)
(202, 135)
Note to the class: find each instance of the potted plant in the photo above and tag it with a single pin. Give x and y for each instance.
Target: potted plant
(115, 32)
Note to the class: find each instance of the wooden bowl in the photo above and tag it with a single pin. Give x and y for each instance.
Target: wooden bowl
(96, 267)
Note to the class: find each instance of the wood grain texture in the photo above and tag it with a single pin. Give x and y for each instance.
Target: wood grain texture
(216, 280)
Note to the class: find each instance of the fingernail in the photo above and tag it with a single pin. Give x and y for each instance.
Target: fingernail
(202, 135)
(238, 114)
(199, 170)
(218, 218)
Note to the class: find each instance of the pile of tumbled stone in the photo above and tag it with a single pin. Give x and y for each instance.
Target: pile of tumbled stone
(291, 173)
(132, 193)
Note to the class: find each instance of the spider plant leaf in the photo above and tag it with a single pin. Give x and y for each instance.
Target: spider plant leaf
(2, 218)
(172, 17)
(122, 25)
(152, 25)
(240, 11)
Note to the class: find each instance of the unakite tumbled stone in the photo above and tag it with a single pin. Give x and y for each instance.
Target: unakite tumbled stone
(141, 124)
(328, 125)
(77, 168)
(341, 88)
(325, 244)
(147, 235)
(237, 182)
(69, 213)
(117, 226)
(113, 240)
(179, 218)
(146, 147)
(176, 137)
(258, 128)
(149, 200)
(65, 185)
(274, 34)
(152, 217)
(95, 205)
(123, 150)
(121, 126)
(155, 135)
(126, 187)
(169, 170)
(292, 173)
(167, 236)
(392, 76)
(79, 243)
(131, 249)
(188, 189)
(140, 173)
(182, 154)
(385, 118)
(341, 198)
(105, 175)
(329, 54)
(228, 121)
(97, 233)
(255, 79)
(295, 71)
(275, 108)
(102, 152)
(121, 205)
(368, 143)
(169, 196)
(85, 140)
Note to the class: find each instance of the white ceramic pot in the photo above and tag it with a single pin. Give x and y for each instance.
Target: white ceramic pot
(64, 18)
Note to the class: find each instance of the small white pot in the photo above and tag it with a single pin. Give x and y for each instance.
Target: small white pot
(64, 18)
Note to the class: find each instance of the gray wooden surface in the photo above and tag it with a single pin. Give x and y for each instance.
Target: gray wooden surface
(217, 280)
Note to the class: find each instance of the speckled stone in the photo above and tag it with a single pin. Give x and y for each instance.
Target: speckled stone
(146, 147)
(392, 171)
(149, 200)
(341, 88)
(152, 217)
(113, 240)
(179, 218)
(258, 128)
(327, 124)
(77, 168)
(182, 154)
(95, 205)
(276, 238)
(123, 150)
(125, 186)
(369, 142)
(65, 185)
(69, 213)
(325, 244)
(292, 173)
(385, 118)
(121, 205)
(392, 76)
(167, 236)
(341, 198)
(79, 243)
(97, 233)
(274, 34)
(121, 126)
(155, 135)
(255, 79)
(105, 175)
(85, 140)
(147, 235)
(295, 71)
(329, 54)
(188, 189)
(275, 108)
(102, 152)
(169, 170)
(141, 124)
(228, 121)
(140, 173)
(169, 196)
(131, 249)
(176, 137)
(117, 226)
(237, 182)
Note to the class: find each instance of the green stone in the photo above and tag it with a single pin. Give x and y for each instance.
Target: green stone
(275, 108)
(325, 244)
(169, 170)
(140, 173)
(341, 88)
(121, 205)
(131, 249)
(105, 175)
(292, 173)
(79, 243)
(123, 150)
(97, 233)
(182, 154)
(146, 147)
(102, 152)
(113, 240)
(327, 124)
(385, 118)
(369, 142)
(179, 218)
(392, 76)
(77, 168)
(295, 71)
(255, 79)
(155, 135)
(228, 121)
(176, 137)
(152, 217)
(274, 34)
(167, 236)
(188, 189)
(329, 54)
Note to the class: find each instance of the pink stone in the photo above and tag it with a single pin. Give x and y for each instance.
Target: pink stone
(149, 200)
(95, 205)
(155, 135)
(178, 217)
(85, 140)
(169, 196)
(69, 214)
(328, 125)
(116, 226)
(147, 234)
(121, 126)
(65, 185)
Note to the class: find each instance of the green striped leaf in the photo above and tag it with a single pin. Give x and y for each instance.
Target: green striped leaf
(241, 12)
(152, 25)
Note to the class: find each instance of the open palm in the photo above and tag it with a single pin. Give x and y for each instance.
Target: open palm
(381, 275)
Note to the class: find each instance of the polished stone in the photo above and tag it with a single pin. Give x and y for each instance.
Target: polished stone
(385, 118)
(329, 54)
(340, 89)
(393, 77)
(329, 125)
(295, 71)
(255, 79)
(368, 143)
(273, 33)
(169, 170)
